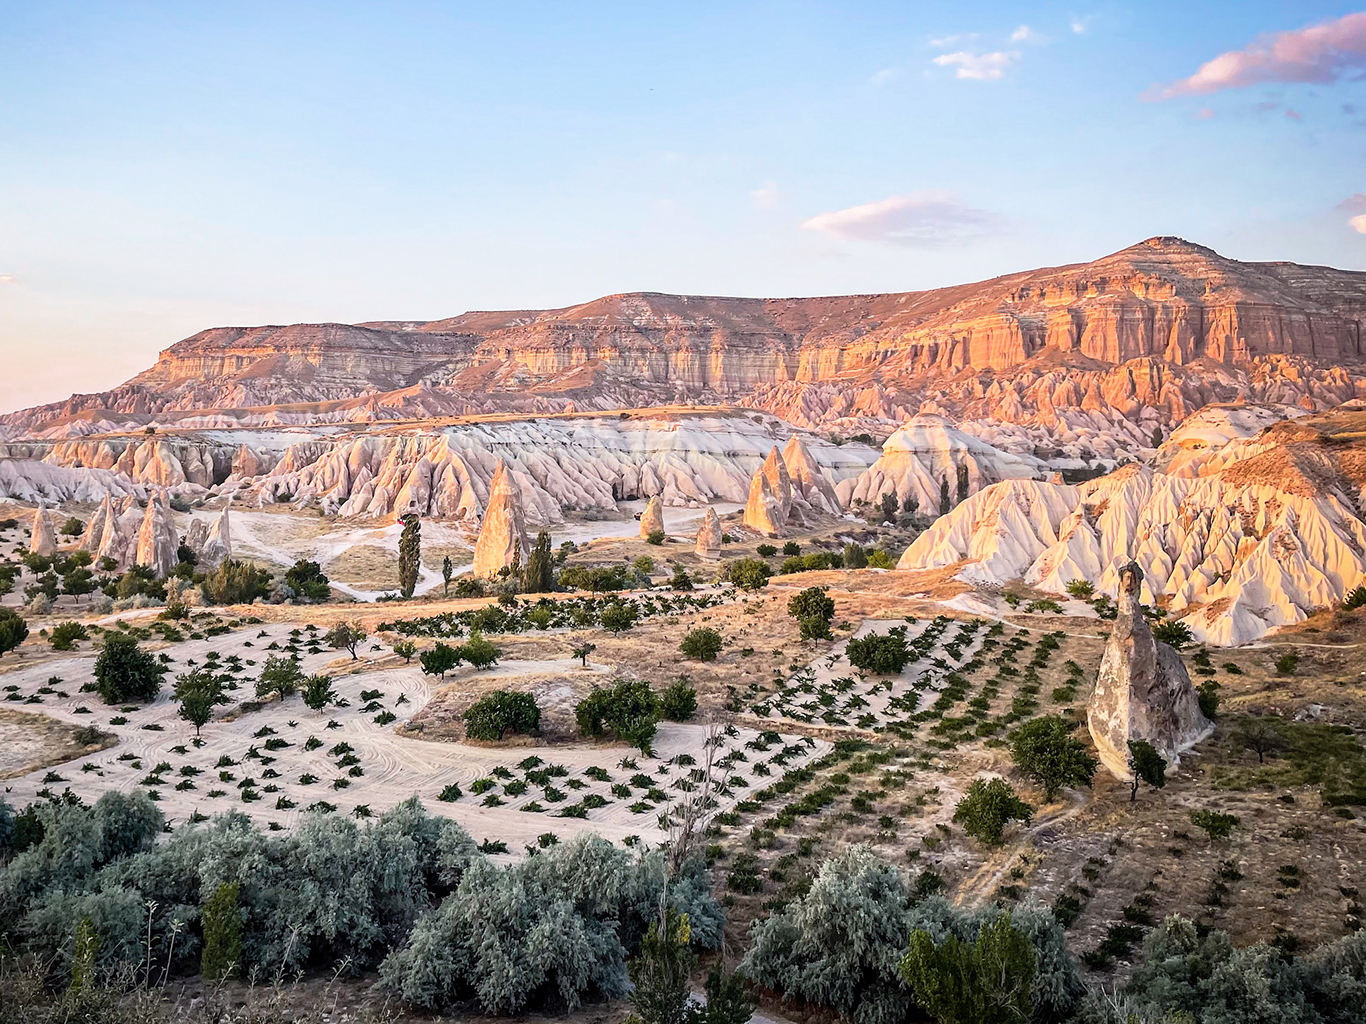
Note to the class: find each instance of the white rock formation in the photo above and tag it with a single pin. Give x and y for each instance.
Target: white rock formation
(1204, 443)
(158, 544)
(42, 541)
(218, 545)
(1234, 559)
(502, 534)
(1143, 691)
(709, 535)
(769, 502)
(94, 526)
(927, 452)
(30, 480)
(652, 519)
(118, 540)
(809, 482)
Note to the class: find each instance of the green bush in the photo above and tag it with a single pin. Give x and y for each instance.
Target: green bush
(280, 675)
(702, 644)
(884, 654)
(678, 702)
(125, 673)
(981, 982)
(222, 923)
(479, 652)
(1046, 751)
(500, 713)
(811, 603)
(986, 807)
(308, 581)
(618, 616)
(1216, 824)
(766, 550)
(64, 635)
(439, 660)
(13, 629)
(749, 573)
(1173, 634)
(629, 711)
(233, 582)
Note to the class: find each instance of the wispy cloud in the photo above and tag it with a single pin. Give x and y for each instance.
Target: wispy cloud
(1358, 223)
(1080, 25)
(981, 67)
(766, 195)
(926, 219)
(1024, 34)
(944, 42)
(7, 279)
(1320, 54)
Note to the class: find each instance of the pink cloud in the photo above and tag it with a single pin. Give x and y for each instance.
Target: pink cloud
(927, 219)
(1317, 53)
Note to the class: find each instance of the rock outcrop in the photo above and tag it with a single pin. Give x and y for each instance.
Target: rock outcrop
(218, 545)
(769, 502)
(709, 535)
(42, 540)
(809, 482)
(502, 533)
(158, 543)
(652, 519)
(1143, 691)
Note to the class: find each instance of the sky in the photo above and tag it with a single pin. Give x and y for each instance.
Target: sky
(168, 167)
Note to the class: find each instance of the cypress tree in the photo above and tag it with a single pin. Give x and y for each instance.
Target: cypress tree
(944, 504)
(222, 933)
(540, 571)
(409, 555)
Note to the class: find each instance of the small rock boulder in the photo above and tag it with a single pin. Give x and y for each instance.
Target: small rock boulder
(1143, 691)
(709, 535)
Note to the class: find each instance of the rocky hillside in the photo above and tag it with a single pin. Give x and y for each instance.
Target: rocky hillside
(1145, 335)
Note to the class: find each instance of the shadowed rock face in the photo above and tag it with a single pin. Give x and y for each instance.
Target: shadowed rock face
(1143, 691)
(1165, 300)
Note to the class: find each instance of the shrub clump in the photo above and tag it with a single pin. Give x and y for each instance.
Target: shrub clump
(501, 712)
(884, 654)
(629, 711)
(125, 673)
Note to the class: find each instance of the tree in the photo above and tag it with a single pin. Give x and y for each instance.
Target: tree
(678, 701)
(854, 556)
(13, 629)
(308, 581)
(750, 573)
(1145, 765)
(729, 1000)
(814, 627)
(405, 649)
(944, 504)
(1082, 590)
(346, 636)
(198, 692)
(439, 660)
(814, 602)
(884, 654)
(583, 650)
(222, 955)
(618, 617)
(479, 652)
(655, 537)
(501, 712)
(125, 673)
(659, 973)
(680, 580)
(1173, 634)
(1046, 751)
(540, 566)
(644, 565)
(889, 506)
(629, 711)
(1260, 735)
(447, 572)
(982, 982)
(318, 692)
(1216, 824)
(409, 554)
(703, 644)
(962, 482)
(73, 527)
(65, 634)
(281, 675)
(234, 582)
(987, 806)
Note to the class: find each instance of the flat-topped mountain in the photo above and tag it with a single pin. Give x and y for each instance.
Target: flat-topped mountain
(1165, 300)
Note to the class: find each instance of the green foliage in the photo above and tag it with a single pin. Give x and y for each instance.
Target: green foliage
(811, 603)
(1173, 633)
(447, 574)
(73, 527)
(854, 556)
(660, 972)
(478, 651)
(222, 924)
(884, 654)
(501, 712)
(701, 644)
(982, 982)
(678, 701)
(409, 554)
(540, 566)
(1260, 735)
(125, 673)
(986, 807)
(346, 636)
(881, 559)
(1082, 590)
(1047, 752)
(439, 660)
(655, 537)
(1146, 765)
(64, 635)
(1207, 696)
(629, 711)
(618, 616)
(280, 674)
(405, 649)
(1216, 824)
(1311, 754)
(598, 579)
(308, 581)
(84, 958)
(198, 693)
(318, 692)
(1287, 663)
(233, 582)
(815, 628)
(644, 565)
(749, 573)
(13, 630)
(1356, 598)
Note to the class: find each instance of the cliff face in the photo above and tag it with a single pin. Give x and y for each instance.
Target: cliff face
(1167, 301)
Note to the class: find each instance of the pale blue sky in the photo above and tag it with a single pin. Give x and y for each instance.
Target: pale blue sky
(166, 167)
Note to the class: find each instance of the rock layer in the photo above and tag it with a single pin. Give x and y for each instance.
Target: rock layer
(1143, 691)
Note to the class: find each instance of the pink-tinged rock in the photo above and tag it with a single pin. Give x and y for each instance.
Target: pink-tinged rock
(809, 482)
(770, 497)
(652, 519)
(158, 543)
(1143, 691)
(709, 535)
(502, 534)
(42, 541)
